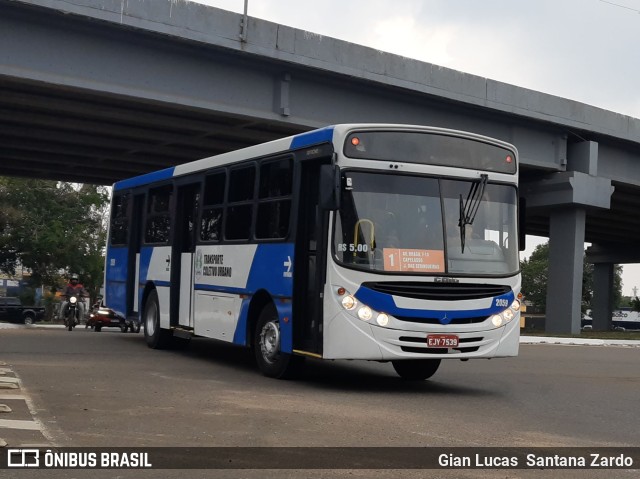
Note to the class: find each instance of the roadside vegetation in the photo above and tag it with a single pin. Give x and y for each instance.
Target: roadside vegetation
(51, 229)
(534, 281)
(624, 335)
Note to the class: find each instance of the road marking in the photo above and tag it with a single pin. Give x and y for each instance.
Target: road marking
(4, 397)
(9, 380)
(35, 424)
(19, 424)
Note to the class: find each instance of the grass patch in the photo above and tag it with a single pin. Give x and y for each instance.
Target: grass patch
(624, 335)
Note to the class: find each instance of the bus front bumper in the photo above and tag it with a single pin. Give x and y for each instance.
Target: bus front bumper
(346, 337)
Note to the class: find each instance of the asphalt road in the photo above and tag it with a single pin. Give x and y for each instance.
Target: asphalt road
(108, 389)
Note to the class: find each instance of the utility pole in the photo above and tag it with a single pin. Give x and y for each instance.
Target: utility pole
(244, 23)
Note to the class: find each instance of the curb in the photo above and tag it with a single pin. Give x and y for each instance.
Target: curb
(578, 341)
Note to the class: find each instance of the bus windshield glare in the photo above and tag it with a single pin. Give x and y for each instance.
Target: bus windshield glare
(403, 224)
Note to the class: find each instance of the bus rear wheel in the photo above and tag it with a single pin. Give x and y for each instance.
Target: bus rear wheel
(154, 335)
(416, 369)
(267, 347)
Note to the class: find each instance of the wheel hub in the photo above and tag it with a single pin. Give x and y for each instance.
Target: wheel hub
(150, 320)
(270, 341)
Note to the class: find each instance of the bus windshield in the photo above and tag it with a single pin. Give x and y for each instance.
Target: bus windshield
(404, 224)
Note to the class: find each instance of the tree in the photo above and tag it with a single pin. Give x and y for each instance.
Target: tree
(535, 278)
(52, 228)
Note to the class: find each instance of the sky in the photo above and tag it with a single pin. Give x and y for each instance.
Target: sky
(583, 50)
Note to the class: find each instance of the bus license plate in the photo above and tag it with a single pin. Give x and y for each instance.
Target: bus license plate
(442, 340)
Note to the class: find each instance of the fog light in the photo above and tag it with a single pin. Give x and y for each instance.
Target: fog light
(365, 313)
(349, 303)
(382, 319)
(496, 320)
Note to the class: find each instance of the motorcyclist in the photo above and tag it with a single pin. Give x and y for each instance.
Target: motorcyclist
(74, 288)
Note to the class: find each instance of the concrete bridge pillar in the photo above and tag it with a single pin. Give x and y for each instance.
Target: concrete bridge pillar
(604, 258)
(566, 196)
(566, 252)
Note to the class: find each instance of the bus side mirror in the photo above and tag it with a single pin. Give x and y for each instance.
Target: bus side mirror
(522, 220)
(329, 187)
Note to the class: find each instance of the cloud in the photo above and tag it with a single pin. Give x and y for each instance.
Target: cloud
(583, 50)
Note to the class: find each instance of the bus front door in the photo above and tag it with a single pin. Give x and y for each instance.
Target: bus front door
(184, 244)
(310, 263)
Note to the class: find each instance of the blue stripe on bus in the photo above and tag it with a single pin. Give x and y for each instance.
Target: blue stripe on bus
(384, 303)
(116, 279)
(229, 290)
(145, 262)
(240, 334)
(314, 137)
(272, 269)
(144, 179)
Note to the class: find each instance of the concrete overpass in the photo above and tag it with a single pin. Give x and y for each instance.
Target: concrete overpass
(99, 90)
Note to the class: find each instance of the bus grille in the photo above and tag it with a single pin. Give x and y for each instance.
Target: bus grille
(438, 291)
(474, 320)
(418, 345)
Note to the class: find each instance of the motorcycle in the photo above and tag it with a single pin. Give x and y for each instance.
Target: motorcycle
(73, 313)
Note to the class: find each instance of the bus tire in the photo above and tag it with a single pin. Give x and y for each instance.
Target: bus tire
(416, 369)
(154, 335)
(266, 346)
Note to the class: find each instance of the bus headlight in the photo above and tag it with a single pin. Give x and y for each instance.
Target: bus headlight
(357, 309)
(382, 319)
(507, 315)
(349, 303)
(365, 313)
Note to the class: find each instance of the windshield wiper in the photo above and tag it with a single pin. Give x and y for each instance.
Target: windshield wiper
(469, 207)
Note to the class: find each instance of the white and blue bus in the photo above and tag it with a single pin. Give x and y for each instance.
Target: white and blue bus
(364, 241)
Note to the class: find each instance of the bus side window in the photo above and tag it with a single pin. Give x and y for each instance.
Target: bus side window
(211, 222)
(239, 212)
(158, 227)
(274, 207)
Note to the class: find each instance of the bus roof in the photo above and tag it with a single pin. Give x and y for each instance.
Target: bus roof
(296, 142)
(302, 140)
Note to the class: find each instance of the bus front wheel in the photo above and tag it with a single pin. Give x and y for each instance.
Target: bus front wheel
(271, 360)
(416, 369)
(154, 335)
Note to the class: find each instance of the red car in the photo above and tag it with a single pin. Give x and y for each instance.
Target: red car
(101, 317)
